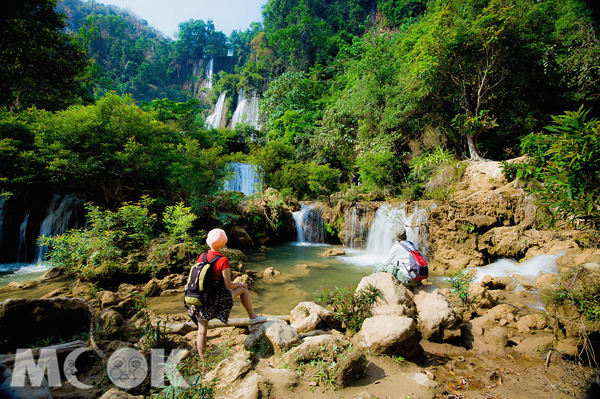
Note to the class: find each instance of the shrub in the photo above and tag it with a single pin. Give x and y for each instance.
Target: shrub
(350, 307)
(460, 280)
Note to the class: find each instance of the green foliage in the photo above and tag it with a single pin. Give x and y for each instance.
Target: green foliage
(151, 335)
(40, 64)
(564, 168)
(349, 306)
(459, 280)
(178, 220)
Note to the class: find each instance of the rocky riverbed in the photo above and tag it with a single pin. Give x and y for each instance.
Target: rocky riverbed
(422, 342)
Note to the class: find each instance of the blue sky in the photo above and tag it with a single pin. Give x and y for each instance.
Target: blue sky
(165, 15)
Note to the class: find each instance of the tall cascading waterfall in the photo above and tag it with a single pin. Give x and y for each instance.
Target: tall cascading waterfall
(214, 119)
(208, 74)
(246, 111)
(356, 228)
(309, 225)
(63, 213)
(380, 240)
(22, 250)
(245, 179)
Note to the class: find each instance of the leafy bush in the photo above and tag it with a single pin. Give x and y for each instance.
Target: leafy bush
(349, 306)
(459, 280)
(564, 169)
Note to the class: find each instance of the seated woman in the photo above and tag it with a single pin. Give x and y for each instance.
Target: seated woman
(218, 301)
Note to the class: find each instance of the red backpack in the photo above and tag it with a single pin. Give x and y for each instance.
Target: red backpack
(417, 266)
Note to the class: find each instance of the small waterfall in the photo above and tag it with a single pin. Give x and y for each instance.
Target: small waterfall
(63, 213)
(246, 111)
(380, 240)
(245, 179)
(214, 120)
(309, 225)
(22, 250)
(356, 228)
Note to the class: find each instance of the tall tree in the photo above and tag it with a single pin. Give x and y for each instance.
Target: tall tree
(40, 64)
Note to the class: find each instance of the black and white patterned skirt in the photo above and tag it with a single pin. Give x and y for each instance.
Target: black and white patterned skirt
(216, 304)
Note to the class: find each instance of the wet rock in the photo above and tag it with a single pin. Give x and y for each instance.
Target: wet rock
(498, 283)
(270, 272)
(232, 376)
(171, 292)
(391, 335)
(80, 289)
(59, 292)
(234, 255)
(239, 237)
(24, 321)
(165, 284)
(113, 325)
(436, 315)
(545, 281)
(334, 252)
(51, 273)
(497, 337)
(125, 290)
(109, 299)
(528, 285)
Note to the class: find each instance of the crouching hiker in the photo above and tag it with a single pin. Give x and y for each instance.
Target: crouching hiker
(216, 300)
(404, 261)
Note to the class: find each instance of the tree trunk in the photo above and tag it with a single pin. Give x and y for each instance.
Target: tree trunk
(473, 150)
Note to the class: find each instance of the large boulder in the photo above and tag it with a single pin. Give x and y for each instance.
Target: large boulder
(396, 298)
(390, 335)
(24, 322)
(235, 377)
(438, 319)
(27, 391)
(344, 365)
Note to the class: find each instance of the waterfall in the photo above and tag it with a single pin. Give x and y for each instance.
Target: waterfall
(22, 250)
(380, 240)
(309, 225)
(356, 226)
(245, 179)
(246, 111)
(214, 120)
(62, 214)
(209, 72)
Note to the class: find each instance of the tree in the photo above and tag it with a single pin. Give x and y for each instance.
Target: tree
(199, 39)
(40, 65)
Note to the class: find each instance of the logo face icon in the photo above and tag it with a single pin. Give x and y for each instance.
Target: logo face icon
(127, 368)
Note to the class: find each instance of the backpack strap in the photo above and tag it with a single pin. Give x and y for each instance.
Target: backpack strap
(203, 259)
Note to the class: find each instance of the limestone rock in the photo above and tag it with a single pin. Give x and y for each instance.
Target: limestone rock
(307, 324)
(393, 293)
(435, 313)
(22, 285)
(270, 272)
(391, 335)
(532, 322)
(306, 309)
(109, 299)
(113, 325)
(234, 377)
(497, 337)
(334, 252)
(481, 298)
(51, 273)
(535, 346)
(277, 332)
(152, 288)
(246, 279)
(347, 363)
(24, 321)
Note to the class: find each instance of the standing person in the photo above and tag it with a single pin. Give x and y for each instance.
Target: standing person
(397, 261)
(355, 179)
(217, 301)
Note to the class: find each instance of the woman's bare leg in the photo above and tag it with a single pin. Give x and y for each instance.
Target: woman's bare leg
(202, 337)
(246, 301)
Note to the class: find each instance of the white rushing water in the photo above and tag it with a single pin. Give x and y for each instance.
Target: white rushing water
(246, 111)
(380, 239)
(309, 225)
(356, 226)
(2, 202)
(63, 213)
(214, 119)
(532, 268)
(22, 249)
(245, 179)
(208, 75)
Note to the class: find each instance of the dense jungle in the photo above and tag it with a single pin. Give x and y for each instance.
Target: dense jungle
(481, 113)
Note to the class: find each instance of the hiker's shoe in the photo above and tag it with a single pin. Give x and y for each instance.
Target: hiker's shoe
(258, 319)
